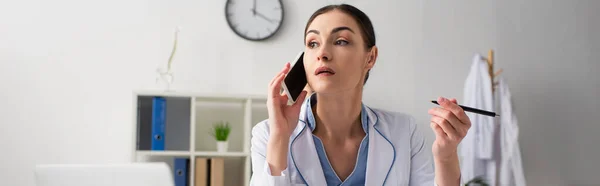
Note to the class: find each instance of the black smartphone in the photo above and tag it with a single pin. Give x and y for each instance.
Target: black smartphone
(295, 80)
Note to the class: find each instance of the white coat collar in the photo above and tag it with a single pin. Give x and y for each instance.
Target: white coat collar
(306, 160)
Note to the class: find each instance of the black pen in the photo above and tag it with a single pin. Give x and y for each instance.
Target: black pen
(474, 110)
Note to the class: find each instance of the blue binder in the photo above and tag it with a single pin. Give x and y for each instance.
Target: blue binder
(181, 171)
(159, 115)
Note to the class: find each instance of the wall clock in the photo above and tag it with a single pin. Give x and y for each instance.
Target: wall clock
(254, 20)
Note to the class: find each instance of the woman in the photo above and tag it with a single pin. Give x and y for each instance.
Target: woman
(334, 139)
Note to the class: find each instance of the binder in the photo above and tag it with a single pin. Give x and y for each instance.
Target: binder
(217, 172)
(159, 114)
(144, 123)
(159, 118)
(209, 171)
(181, 171)
(177, 123)
(201, 173)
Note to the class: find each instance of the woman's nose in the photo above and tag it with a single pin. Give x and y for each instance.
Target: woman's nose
(324, 54)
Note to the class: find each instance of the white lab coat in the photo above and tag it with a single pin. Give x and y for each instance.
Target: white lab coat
(477, 148)
(510, 168)
(397, 154)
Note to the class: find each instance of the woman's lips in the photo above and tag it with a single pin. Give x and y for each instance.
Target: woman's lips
(324, 71)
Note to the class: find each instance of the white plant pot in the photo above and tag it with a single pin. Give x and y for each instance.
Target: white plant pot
(222, 146)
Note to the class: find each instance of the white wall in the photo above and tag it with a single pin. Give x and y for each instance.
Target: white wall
(550, 50)
(74, 64)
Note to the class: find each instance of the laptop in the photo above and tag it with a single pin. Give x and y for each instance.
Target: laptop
(130, 174)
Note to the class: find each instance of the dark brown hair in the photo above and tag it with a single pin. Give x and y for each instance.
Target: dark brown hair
(363, 21)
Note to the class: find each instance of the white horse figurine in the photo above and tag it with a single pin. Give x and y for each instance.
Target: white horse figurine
(166, 75)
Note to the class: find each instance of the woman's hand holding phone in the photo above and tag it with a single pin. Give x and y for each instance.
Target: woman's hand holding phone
(283, 119)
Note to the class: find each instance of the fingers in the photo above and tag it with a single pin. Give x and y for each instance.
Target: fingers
(465, 118)
(447, 104)
(447, 115)
(300, 99)
(446, 127)
(275, 85)
(283, 71)
(453, 101)
(284, 98)
(454, 108)
(438, 130)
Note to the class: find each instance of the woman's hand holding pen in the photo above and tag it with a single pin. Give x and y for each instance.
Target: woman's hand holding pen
(450, 124)
(282, 121)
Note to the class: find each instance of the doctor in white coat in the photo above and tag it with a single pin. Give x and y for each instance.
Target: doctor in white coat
(331, 138)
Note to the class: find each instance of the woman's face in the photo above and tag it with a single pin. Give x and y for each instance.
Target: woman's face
(335, 56)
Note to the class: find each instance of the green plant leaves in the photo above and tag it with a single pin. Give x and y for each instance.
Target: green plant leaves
(477, 181)
(221, 130)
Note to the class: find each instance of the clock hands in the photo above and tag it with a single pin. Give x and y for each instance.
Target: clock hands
(254, 8)
(265, 17)
(255, 13)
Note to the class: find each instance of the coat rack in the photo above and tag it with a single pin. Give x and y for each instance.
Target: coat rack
(490, 61)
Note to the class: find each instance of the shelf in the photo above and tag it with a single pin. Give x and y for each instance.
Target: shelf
(163, 153)
(189, 119)
(187, 153)
(201, 96)
(221, 154)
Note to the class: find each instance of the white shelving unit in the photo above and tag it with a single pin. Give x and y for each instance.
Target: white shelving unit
(195, 115)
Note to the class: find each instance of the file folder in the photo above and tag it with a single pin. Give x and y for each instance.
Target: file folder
(201, 174)
(144, 123)
(217, 171)
(159, 118)
(177, 124)
(159, 115)
(181, 171)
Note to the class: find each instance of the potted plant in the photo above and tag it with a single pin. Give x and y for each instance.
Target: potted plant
(221, 132)
(477, 181)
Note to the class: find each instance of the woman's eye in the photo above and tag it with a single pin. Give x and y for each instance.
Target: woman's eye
(341, 42)
(312, 44)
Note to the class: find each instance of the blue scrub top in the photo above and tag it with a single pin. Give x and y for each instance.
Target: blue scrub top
(357, 177)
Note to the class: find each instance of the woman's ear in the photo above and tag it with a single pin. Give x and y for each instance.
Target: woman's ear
(372, 58)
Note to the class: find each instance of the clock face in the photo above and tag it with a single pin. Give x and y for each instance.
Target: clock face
(254, 19)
